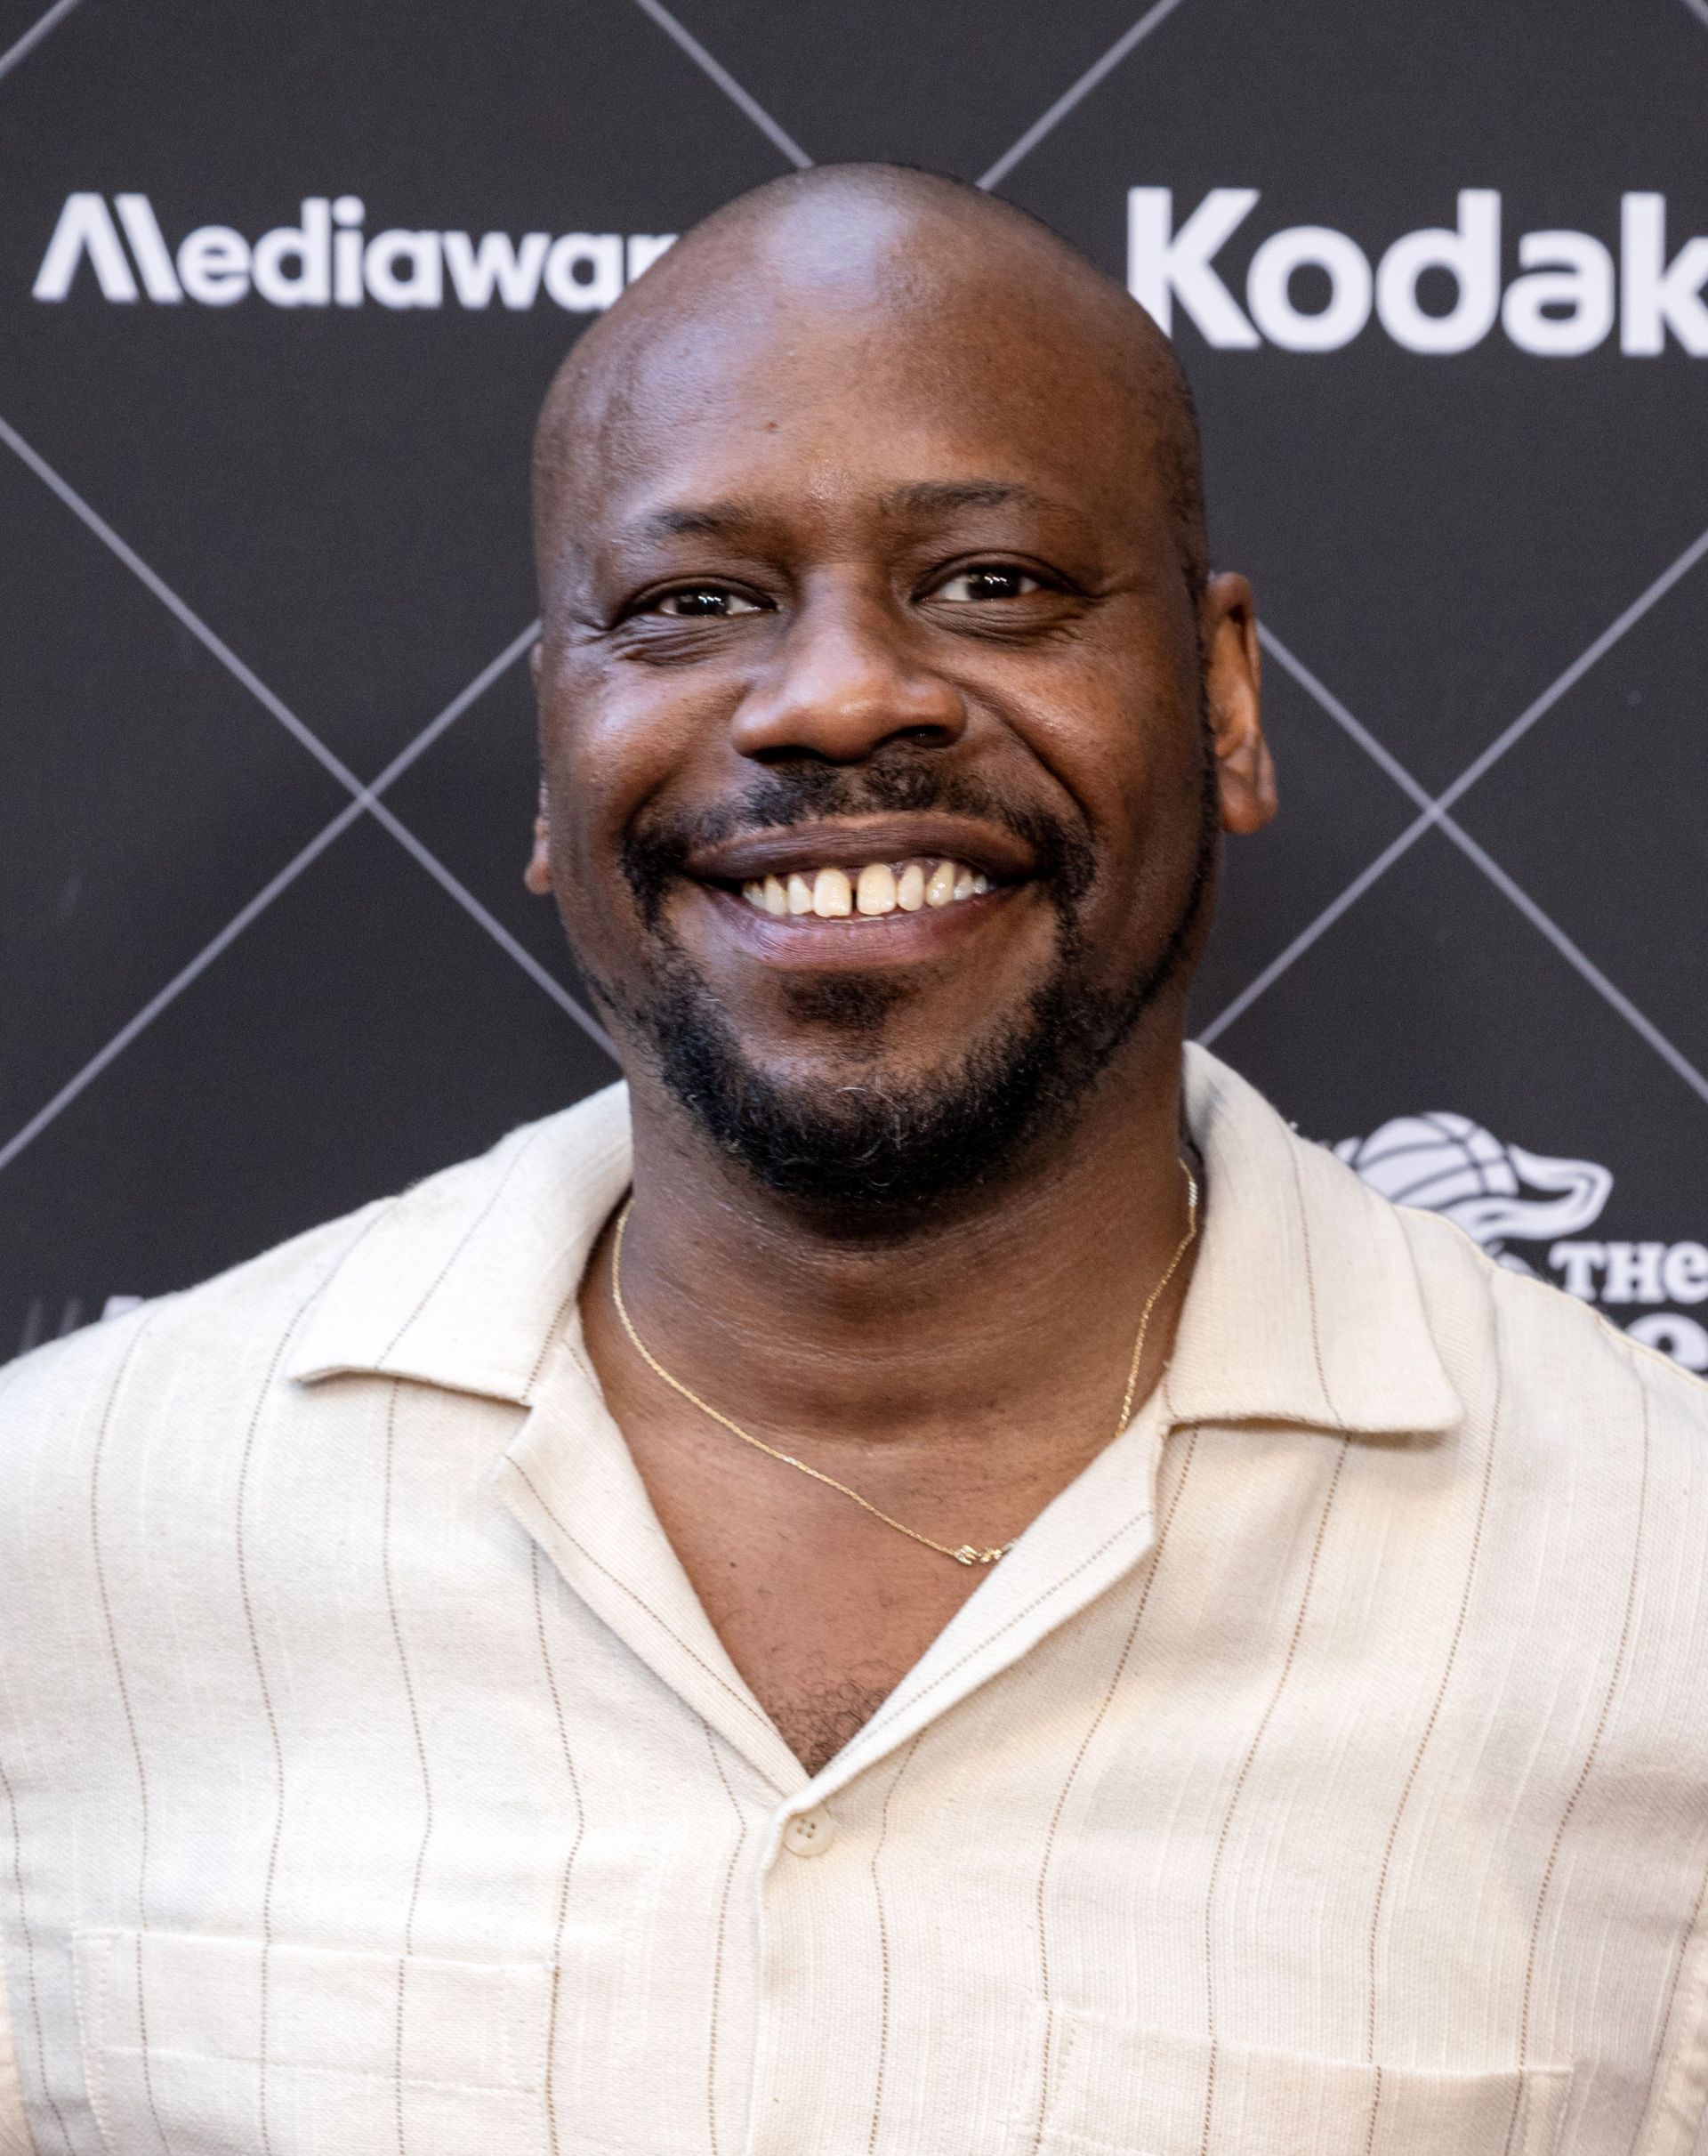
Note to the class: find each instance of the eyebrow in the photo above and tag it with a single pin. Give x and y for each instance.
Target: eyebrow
(729, 520)
(943, 496)
(691, 521)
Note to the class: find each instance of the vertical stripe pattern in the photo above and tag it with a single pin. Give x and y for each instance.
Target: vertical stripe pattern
(263, 1399)
(132, 1732)
(1327, 1769)
(420, 1758)
(573, 1789)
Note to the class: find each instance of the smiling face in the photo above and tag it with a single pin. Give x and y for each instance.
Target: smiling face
(882, 758)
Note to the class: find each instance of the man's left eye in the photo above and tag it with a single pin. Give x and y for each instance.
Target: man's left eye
(994, 583)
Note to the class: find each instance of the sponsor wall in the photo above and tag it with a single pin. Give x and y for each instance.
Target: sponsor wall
(282, 289)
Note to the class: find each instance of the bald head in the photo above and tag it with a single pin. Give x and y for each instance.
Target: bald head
(887, 253)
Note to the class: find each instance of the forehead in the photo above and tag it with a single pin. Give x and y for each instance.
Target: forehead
(845, 394)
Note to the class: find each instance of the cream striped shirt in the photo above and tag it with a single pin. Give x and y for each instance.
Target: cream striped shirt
(1324, 1773)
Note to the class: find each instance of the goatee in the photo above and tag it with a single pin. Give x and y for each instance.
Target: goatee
(859, 1145)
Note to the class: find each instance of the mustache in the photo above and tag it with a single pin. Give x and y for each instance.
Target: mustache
(657, 847)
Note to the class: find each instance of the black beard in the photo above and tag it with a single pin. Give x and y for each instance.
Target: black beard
(855, 1148)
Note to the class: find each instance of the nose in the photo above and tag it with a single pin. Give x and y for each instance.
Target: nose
(843, 681)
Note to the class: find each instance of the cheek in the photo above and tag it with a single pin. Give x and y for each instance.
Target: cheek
(1127, 758)
(1132, 761)
(622, 734)
(605, 756)
(616, 741)
(587, 782)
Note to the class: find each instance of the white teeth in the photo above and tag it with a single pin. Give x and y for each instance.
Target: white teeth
(832, 895)
(879, 888)
(876, 890)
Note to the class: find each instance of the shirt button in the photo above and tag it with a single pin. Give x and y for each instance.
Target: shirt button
(809, 1832)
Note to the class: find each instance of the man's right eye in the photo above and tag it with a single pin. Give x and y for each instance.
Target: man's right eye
(701, 602)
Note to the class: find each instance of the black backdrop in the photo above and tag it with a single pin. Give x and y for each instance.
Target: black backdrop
(267, 772)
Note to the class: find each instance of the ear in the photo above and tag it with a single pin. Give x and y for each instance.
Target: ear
(1233, 671)
(538, 874)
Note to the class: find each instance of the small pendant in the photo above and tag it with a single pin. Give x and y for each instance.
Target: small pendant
(969, 1553)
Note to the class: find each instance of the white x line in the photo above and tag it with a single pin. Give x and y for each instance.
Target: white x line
(1434, 813)
(776, 135)
(1047, 122)
(278, 884)
(1509, 888)
(364, 796)
(780, 138)
(34, 34)
(365, 800)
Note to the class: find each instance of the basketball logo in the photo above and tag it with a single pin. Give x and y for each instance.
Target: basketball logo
(1446, 1164)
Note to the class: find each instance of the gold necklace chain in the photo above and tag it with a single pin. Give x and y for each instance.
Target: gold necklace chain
(968, 1553)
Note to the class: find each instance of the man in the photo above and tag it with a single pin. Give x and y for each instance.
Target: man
(928, 1578)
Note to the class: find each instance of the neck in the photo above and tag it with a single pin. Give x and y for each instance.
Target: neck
(1011, 1310)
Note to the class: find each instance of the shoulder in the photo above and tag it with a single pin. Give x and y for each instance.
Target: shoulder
(119, 1444)
(199, 1355)
(1541, 1336)
(215, 1329)
(1582, 1415)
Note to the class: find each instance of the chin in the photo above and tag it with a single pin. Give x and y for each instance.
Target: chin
(857, 1130)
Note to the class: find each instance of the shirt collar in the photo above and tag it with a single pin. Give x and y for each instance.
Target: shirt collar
(464, 1281)
(1304, 1307)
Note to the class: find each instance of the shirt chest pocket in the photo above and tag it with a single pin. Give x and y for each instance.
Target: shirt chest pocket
(1116, 2090)
(224, 2045)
